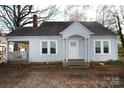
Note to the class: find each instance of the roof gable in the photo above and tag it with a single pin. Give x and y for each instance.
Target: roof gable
(76, 23)
(76, 29)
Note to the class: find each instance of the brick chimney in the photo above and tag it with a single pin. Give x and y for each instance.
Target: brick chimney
(35, 20)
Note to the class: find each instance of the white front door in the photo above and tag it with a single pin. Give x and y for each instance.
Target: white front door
(73, 49)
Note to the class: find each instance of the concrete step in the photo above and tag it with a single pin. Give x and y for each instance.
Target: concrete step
(75, 59)
(73, 64)
(77, 63)
(80, 66)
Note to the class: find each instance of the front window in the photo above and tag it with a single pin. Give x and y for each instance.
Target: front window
(48, 47)
(102, 47)
(97, 47)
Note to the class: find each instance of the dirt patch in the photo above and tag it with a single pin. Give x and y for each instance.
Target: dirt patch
(59, 77)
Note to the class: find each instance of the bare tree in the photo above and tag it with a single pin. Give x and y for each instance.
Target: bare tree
(76, 12)
(113, 18)
(102, 14)
(119, 15)
(18, 16)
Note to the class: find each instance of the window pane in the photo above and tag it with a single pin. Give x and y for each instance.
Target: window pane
(73, 43)
(106, 47)
(44, 44)
(97, 47)
(53, 47)
(44, 48)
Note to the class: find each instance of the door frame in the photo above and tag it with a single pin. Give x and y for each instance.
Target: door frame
(77, 50)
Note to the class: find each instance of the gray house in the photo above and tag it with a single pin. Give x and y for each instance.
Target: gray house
(62, 41)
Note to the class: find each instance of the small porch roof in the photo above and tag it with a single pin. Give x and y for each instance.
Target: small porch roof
(76, 29)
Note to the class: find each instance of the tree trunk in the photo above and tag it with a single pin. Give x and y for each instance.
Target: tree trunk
(120, 32)
(122, 40)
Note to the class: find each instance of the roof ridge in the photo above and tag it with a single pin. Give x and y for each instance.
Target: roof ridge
(55, 27)
(57, 21)
(73, 21)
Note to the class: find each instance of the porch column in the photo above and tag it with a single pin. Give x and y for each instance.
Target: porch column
(88, 49)
(85, 40)
(63, 49)
(66, 49)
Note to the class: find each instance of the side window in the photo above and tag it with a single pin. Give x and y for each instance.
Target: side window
(105, 47)
(97, 47)
(44, 47)
(52, 47)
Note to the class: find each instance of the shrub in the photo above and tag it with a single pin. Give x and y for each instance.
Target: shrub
(115, 62)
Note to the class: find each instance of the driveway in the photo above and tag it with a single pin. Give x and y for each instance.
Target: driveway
(59, 77)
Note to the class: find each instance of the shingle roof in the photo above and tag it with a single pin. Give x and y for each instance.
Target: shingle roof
(23, 31)
(54, 28)
(97, 28)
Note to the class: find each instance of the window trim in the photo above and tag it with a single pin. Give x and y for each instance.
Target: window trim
(48, 47)
(102, 47)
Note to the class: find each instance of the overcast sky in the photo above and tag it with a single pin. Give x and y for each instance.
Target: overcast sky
(91, 13)
(62, 2)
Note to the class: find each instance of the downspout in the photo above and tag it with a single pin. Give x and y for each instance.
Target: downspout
(63, 49)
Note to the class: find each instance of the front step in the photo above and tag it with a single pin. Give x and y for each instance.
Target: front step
(78, 64)
(72, 60)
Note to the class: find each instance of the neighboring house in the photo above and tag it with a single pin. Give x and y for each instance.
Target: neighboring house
(2, 48)
(62, 41)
